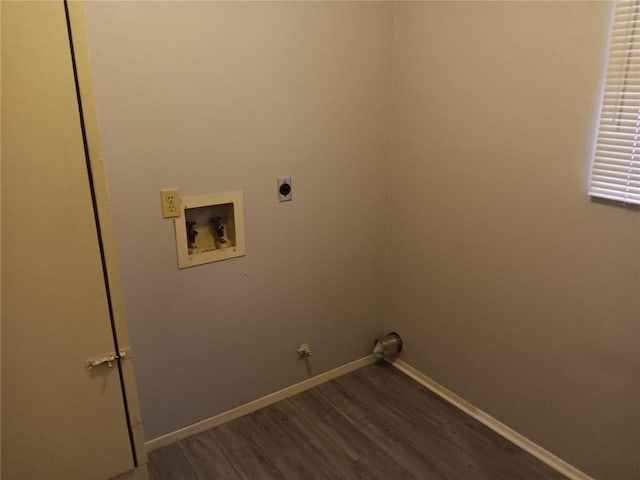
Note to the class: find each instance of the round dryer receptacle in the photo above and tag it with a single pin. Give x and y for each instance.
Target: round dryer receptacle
(285, 189)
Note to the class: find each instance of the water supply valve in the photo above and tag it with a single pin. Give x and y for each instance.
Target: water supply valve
(304, 350)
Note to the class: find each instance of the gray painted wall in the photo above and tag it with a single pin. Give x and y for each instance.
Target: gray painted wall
(509, 285)
(211, 97)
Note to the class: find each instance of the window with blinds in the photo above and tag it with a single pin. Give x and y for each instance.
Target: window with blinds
(616, 166)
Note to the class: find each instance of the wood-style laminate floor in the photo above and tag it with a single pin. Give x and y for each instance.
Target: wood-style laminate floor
(374, 423)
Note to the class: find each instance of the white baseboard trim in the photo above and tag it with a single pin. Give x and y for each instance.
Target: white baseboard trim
(265, 401)
(500, 428)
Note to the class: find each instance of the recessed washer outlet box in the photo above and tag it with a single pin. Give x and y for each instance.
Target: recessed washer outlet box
(210, 229)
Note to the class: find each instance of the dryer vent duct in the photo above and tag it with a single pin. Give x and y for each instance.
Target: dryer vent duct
(388, 346)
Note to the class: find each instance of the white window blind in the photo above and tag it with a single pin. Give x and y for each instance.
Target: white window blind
(616, 166)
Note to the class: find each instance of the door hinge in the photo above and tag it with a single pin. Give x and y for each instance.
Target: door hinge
(109, 358)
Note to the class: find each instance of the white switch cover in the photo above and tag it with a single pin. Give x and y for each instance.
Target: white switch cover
(284, 189)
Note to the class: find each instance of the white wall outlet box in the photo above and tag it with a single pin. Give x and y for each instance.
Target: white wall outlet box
(284, 189)
(170, 199)
(210, 228)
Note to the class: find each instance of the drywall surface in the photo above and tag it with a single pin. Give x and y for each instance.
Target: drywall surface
(510, 287)
(210, 97)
